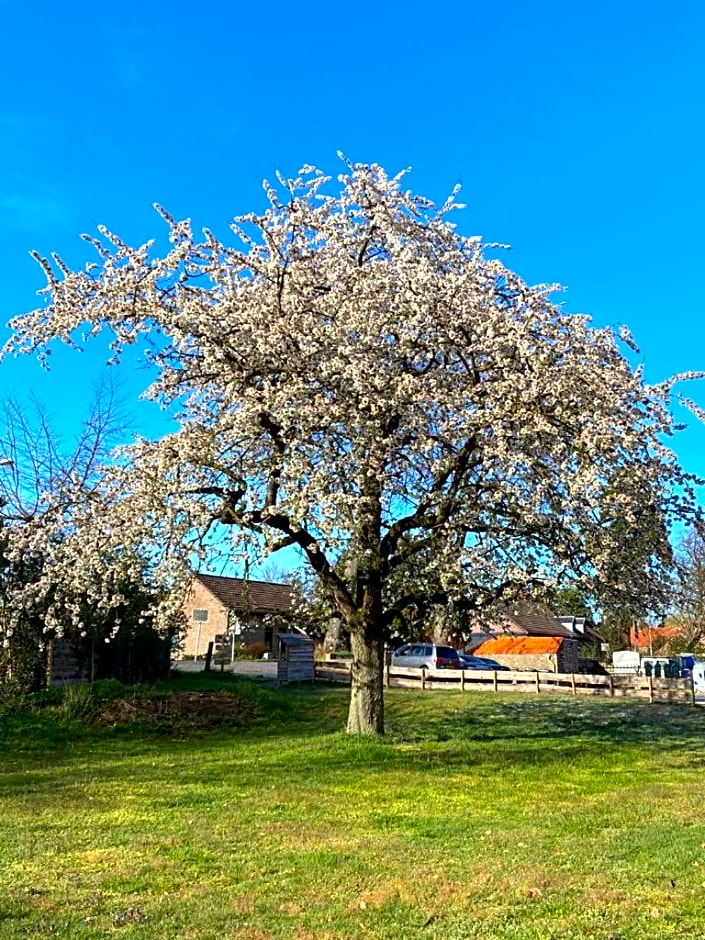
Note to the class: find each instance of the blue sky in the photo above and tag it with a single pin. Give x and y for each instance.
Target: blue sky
(575, 130)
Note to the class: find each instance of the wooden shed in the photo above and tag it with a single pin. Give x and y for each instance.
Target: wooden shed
(296, 658)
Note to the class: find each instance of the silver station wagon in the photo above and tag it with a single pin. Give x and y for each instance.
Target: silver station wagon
(426, 656)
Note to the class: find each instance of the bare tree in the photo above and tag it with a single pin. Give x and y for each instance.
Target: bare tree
(688, 611)
(40, 470)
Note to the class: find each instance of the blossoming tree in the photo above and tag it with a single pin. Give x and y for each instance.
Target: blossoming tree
(353, 375)
(42, 481)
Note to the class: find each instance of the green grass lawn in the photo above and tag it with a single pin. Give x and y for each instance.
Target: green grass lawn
(477, 816)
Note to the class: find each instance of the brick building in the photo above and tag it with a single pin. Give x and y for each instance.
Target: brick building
(527, 636)
(246, 611)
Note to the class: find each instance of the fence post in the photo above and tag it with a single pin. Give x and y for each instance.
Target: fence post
(651, 688)
(494, 680)
(538, 682)
(692, 688)
(462, 680)
(611, 685)
(423, 678)
(572, 682)
(386, 674)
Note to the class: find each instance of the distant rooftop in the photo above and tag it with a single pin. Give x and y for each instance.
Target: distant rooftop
(533, 620)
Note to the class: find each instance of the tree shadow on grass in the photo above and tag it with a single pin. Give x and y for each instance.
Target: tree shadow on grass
(304, 742)
(618, 722)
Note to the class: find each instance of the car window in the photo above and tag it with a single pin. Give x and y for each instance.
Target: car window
(416, 651)
(427, 650)
(403, 651)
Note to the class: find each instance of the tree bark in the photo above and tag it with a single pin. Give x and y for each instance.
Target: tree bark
(366, 713)
(331, 641)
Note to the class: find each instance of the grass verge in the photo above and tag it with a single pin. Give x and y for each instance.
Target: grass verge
(476, 817)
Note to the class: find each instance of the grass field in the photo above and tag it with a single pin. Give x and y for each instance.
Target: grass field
(477, 816)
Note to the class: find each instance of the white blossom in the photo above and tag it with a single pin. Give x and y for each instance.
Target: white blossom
(352, 374)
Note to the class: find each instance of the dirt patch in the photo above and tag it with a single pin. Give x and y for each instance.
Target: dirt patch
(191, 709)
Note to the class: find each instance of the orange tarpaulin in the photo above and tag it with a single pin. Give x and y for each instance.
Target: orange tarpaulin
(510, 645)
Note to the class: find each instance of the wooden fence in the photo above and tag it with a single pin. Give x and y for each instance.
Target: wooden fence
(481, 680)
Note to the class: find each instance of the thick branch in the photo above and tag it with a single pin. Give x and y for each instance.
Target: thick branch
(297, 535)
(424, 516)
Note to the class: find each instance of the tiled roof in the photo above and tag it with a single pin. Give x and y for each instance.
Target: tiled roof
(533, 620)
(642, 638)
(255, 596)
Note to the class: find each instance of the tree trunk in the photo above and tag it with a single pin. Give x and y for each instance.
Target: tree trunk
(334, 629)
(366, 713)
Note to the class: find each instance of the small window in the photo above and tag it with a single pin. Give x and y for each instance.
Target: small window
(200, 615)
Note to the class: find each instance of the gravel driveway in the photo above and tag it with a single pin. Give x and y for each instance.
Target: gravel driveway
(258, 668)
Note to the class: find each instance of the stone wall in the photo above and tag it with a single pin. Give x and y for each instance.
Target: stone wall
(543, 662)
